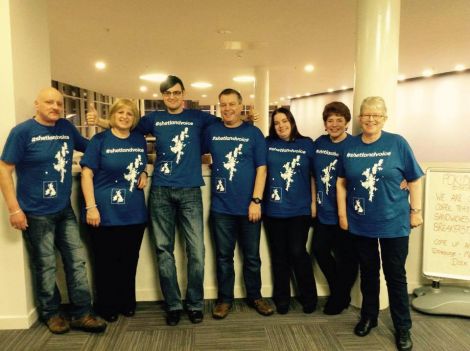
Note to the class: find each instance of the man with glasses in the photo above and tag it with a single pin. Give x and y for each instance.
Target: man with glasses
(175, 196)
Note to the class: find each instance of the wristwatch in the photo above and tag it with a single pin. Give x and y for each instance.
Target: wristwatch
(256, 200)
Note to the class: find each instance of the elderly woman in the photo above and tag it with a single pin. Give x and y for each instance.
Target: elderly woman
(376, 211)
(331, 246)
(288, 203)
(113, 176)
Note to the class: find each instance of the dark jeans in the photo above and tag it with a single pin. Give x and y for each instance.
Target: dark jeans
(116, 253)
(333, 250)
(287, 240)
(43, 235)
(170, 207)
(227, 229)
(394, 252)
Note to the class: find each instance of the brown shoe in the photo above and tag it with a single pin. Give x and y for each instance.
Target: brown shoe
(262, 307)
(58, 325)
(221, 310)
(89, 323)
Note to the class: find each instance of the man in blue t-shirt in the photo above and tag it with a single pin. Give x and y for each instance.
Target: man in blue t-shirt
(40, 151)
(238, 177)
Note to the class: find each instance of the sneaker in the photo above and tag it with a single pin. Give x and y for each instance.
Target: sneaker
(221, 310)
(262, 307)
(58, 325)
(89, 324)
(173, 317)
(403, 340)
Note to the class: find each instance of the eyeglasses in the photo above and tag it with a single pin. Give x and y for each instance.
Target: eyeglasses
(374, 117)
(176, 93)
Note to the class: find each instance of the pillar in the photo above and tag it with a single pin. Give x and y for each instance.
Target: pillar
(262, 98)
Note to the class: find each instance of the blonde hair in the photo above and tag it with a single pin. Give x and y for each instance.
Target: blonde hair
(124, 103)
(375, 102)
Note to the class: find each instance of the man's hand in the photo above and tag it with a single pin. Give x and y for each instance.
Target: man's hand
(343, 222)
(254, 212)
(143, 179)
(253, 115)
(416, 219)
(93, 217)
(18, 220)
(92, 116)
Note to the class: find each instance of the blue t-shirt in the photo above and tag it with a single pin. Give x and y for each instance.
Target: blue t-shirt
(376, 206)
(236, 154)
(325, 168)
(288, 189)
(178, 146)
(117, 164)
(42, 156)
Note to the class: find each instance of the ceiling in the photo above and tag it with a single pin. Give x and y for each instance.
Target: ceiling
(188, 38)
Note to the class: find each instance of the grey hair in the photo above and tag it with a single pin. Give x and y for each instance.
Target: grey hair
(376, 102)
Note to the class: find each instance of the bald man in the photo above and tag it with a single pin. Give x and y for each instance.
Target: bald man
(40, 151)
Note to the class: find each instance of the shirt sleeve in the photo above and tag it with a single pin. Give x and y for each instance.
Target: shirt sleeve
(412, 169)
(260, 154)
(209, 119)
(80, 142)
(15, 146)
(145, 125)
(205, 144)
(92, 158)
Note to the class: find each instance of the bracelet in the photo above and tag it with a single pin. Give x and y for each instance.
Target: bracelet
(90, 207)
(415, 210)
(15, 212)
(145, 173)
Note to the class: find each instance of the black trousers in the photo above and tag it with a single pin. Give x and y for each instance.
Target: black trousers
(287, 240)
(116, 253)
(333, 250)
(393, 253)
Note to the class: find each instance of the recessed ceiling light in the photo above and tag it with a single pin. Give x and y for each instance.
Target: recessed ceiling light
(154, 77)
(308, 93)
(143, 88)
(298, 95)
(289, 97)
(281, 98)
(100, 65)
(401, 77)
(201, 85)
(344, 87)
(428, 72)
(154, 94)
(244, 79)
(309, 68)
(459, 68)
(330, 90)
(276, 102)
(204, 95)
(252, 96)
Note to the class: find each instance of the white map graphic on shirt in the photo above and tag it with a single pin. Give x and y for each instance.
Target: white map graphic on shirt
(50, 190)
(327, 177)
(179, 145)
(290, 171)
(232, 160)
(319, 197)
(61, 161)
(371, 178)
(357, 206)
(165, 168)
(117, 198)
(220, 188)
(275, 195)
(132, 175)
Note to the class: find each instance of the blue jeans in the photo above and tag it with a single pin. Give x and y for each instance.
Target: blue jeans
(43, 234)
(183, 207)
(393, 252)
(226, 229)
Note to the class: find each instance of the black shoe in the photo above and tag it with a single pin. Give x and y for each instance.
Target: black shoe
(173, 317)
(195, 316)
(128, 313)
(282, 309)
(333, 306)
(309, 308)
(403, 340)
(111, 318)
(364, 326)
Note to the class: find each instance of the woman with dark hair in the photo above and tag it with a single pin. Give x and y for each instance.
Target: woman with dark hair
(378, 212)
(288, 210)
(113, 178)
(331, 246)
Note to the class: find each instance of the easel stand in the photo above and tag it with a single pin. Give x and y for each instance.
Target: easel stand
(436, 299)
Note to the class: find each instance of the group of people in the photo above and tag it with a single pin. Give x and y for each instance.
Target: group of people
(350, 188)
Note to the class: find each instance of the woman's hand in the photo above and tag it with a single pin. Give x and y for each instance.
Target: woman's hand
(416, 219)
(18, 220)
(143, 179)
(254, 212)
(343, 222)
(93, 217)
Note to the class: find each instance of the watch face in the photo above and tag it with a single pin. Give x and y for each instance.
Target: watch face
(256, 200)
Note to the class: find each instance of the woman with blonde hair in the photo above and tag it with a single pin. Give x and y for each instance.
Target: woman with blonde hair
(113, 179)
